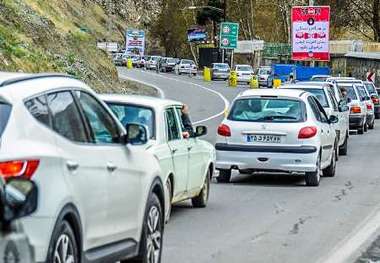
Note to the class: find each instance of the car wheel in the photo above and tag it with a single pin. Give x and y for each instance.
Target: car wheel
(343, 149)
(63, 246)
(329, 171)
(377, 116)
(224, 176)
(365, 127)
(372, 125)
(152, 233)
(201, 200)
(313, 178)
(168, 201)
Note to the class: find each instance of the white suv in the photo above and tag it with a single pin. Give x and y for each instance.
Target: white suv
(277, 130)
(100, 196)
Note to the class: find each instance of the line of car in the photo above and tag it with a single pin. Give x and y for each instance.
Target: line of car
(108, 168)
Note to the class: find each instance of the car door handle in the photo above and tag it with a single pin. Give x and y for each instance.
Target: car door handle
(111, 167)
(189, 148)
(72, 166)
(174, 151)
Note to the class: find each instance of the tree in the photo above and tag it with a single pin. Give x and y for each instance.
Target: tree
(207, 15)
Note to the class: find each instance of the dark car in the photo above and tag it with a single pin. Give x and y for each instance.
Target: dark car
(18, 198)
(168, 64)
(373, 92)
(117, 59)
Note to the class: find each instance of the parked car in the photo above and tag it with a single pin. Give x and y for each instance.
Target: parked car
(186, 66)
(135, 60)
(277, 131)
(244, 73)
(152, 62)
(168, 64)
(263, 74)
(117, 59)
(364, 96)
(220, 71)
(125, 58)
(143, 60)
(322, 78)
(97, 188)
(358, 108)
(187, 164)
(371, 88)
(328, 101)
(18, 199)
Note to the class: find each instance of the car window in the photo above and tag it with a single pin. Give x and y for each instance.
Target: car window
(264, 71)
(321, 96)
(66, 119)
(333, 100)
(221, 66)
(39, 109)
(128, 113)
(102, 125)
(267, 110)
(243, 68)
(179, 114)
(350, 91)
(361, 92)
(318, 110)
(173, 131)
(371, 89)
(5, 112)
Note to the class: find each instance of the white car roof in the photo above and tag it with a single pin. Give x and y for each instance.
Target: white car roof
(147, 101)
(303, 86)
(296, 93)
(23, 85)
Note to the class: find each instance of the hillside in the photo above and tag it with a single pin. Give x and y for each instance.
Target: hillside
(61, 35)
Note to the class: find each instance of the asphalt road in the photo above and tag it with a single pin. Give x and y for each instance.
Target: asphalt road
(265, 218)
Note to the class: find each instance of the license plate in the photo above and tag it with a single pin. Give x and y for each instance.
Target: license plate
(264, 138)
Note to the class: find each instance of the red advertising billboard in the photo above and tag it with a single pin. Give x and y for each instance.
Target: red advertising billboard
(310, 33)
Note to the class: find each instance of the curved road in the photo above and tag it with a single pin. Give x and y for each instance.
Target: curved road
(266, 218)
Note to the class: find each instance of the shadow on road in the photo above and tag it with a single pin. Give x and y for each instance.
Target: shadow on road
(268, 180)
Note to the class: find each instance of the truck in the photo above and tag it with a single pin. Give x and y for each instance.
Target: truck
(299, 72)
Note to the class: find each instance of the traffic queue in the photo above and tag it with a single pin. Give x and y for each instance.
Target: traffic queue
(108, 168)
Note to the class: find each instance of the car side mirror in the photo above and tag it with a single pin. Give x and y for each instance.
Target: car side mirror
(137, 134)
(333, 119)
(20, 199)
(200, 131)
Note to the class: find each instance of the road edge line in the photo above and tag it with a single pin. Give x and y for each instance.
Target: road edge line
(350, 245)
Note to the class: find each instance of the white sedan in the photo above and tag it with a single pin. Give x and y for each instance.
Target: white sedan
(187, 164)
(277, 131)
(244, 73)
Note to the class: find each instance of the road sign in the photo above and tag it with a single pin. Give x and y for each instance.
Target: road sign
(310, 33)
(228, 37)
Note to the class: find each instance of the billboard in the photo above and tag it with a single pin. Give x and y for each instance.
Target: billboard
(135, 42)
(196, 34)
(310, 33)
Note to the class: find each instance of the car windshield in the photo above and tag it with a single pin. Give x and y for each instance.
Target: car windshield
(371, 89)
(187, 61)
(221, 66)
(244, 68)
(321, 96)
(265, 71)
(5, 111)
(134, 114)
(267, 110)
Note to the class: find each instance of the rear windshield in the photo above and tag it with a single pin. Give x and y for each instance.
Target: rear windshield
(321, 96)
(221, 66)
(371, 89)
(171, 60)
(244, 68)
(186, 61)
(267, 110)
(134, 114)
(319, 78)
(5, 111)
(265, 71)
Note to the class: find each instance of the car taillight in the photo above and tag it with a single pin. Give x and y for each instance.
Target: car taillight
(369, 107)
(224, 130)
(24, 168)
(356, 109)
(375, 100)
(307, 132)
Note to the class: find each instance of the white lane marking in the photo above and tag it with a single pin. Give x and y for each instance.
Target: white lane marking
(226, 102)
(159, 90)
(350, 245)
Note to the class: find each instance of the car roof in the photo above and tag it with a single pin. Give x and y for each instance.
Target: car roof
(303, 86)
(314, 76)
(138, 99)
(243, 65)
(296, 93)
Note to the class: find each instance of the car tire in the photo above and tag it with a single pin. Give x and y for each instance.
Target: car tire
(377, 116)
(372, 125)
(63, 234)
(168, 203)
(365, 127)
(313, 178)
(344, 148)
(224, 176)
(201, 200)
(150, 240)
(329, 171)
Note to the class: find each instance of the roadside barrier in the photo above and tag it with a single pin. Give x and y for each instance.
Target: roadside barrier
(207, 74)
(129, 64)
(232, 81)
(254, 83)
(276, 83)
